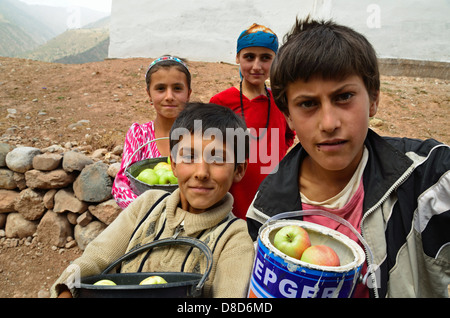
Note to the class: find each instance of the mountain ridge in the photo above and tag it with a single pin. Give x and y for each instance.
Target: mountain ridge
(46, 33)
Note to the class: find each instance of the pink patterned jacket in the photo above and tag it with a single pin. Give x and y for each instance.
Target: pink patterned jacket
(136, 136)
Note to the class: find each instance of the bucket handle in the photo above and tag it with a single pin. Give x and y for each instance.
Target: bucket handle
(142, 146)
(170, 241)
(338, 219)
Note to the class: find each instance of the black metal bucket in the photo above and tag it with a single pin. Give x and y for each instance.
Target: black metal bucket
(140, 187)
(179, 284)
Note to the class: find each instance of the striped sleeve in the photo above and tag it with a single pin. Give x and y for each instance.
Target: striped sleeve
(136, 136)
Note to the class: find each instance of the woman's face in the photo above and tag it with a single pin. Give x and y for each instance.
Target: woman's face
(255, 64)
(169, 92)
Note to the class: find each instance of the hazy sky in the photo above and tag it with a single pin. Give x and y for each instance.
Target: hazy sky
(99, 5)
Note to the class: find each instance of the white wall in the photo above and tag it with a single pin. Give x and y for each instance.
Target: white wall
(207, 30)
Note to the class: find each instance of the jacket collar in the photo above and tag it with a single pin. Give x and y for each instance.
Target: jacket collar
(194, 223)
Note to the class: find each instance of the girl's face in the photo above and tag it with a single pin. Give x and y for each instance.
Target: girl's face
(204, 175)
(169, 92)
(331, 119)
(255, 64)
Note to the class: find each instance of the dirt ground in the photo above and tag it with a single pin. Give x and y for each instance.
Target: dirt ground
(42, 104)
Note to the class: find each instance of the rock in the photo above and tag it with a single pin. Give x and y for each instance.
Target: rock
(65, 200)
(18, 226)
(4, 149)
(99, 153)
(53, 229)
(71, 244)
(80, 123)
(84, 219)
(113, 169)
(7, 179)
(49, 199)
(7, 200)
(53, 149)
(85, 234)
(75, 161)
(106, 211)
(30, 204)
(72, 217)
(47, 161)
(20, 159)
(93, 184)
(20, 180)
(117, 150)
(54, 179)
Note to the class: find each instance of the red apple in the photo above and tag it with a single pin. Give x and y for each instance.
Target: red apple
(292, 240)
(320, 255)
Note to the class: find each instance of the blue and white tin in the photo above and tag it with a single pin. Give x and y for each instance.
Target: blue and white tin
(277, 275)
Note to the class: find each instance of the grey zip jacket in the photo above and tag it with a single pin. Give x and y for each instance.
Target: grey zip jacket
(406, 221)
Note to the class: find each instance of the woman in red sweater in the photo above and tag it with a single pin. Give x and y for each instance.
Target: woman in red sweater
(252, 99)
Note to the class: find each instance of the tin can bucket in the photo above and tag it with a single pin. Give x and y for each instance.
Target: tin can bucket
(139, 187)
(277, 275)
(133, 170)
(179, 284)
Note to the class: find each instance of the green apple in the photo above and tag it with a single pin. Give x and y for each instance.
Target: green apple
(148, 176)
(162, 165)
(153, 280)
(172, 178)
(160, 172)
(292, 240)
(320, 255)
(167, 177)
(105, 282)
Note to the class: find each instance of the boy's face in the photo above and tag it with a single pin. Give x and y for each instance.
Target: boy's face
(331, 118)
(255, 64)
(169, 92)
(204, 175)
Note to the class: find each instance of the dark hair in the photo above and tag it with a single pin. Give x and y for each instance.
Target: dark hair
(215, 119)
(167, 64)
(325, 49)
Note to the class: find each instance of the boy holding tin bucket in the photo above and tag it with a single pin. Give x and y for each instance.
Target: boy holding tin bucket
(394, 191)
(209, 151)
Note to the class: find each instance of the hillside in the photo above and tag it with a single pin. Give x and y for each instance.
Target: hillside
(13, 40)
(97, 53)
(73, 46)
(20, 31)
(52, 33)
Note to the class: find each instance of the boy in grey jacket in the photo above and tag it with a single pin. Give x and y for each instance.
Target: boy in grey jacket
(395, 191)
(206, 164)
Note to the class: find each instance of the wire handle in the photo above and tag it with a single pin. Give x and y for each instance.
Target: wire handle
(170, 241)
(370, 269)
(140, 147)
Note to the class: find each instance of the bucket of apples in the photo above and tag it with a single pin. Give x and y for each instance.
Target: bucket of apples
(151, 173)
(299, 259)
(148, 284)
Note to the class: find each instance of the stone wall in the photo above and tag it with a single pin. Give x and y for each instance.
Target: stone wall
(414, 68)
(60, 196)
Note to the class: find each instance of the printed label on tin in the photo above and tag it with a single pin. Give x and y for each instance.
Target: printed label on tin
(273, 277)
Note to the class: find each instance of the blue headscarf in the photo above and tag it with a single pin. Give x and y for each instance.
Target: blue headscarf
(257, 35)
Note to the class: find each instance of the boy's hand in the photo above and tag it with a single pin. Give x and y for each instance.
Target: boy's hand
(65, 294)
